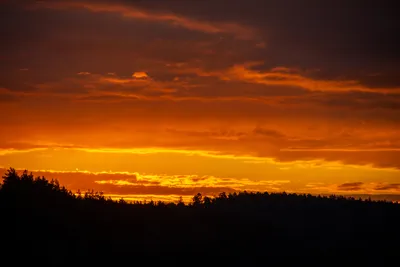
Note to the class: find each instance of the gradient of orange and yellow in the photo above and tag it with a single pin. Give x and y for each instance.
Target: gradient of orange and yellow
(161, 99)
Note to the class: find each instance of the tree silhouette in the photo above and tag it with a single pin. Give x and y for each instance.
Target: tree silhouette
(43, 222)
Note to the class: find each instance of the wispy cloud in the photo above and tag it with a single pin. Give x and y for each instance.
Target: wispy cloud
(351, 186)
(283, 76)
(129, 11)
(83, 73)
(387, 186)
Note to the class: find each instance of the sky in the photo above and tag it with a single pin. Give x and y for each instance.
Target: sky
(161, 99)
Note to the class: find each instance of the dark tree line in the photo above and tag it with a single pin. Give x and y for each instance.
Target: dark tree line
(43, 222)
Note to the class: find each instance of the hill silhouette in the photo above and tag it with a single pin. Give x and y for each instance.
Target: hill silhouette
(44, 223)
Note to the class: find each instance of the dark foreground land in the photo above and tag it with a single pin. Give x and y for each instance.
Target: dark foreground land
(43, 223)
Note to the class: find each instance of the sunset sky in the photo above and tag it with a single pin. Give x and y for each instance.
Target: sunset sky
(166, 98)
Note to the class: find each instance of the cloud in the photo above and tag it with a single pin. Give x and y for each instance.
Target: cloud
(10, 96)
(331, 46)
(351, 186)
(283, 76)
(87, 86)
(353, 100)
(100, 87)
(130, 11)
(268, 133)
(83, 73)
(378, 159)
(388, 187)
(220, 135)
(140, 75)
(233, 128)
(13, 151)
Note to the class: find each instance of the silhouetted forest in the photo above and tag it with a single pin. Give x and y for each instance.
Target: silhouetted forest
(44, 223)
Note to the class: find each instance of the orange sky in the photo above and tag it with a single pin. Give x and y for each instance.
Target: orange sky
(165, 99)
